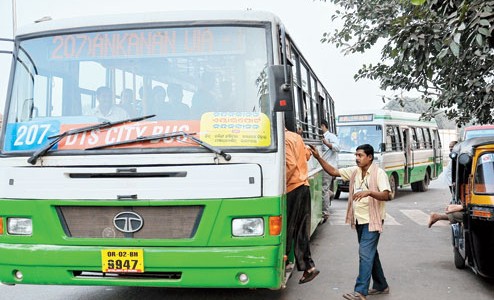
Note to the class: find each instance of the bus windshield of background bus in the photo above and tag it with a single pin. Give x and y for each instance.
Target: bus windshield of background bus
(205, 80)
(352, 136)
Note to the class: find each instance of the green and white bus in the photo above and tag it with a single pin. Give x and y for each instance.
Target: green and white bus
(170, 195)
(406, 147)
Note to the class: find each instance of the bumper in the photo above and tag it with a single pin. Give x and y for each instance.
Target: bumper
(342, 185)
(172, 267)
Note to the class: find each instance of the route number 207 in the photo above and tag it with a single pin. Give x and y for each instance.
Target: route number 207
(28, 135)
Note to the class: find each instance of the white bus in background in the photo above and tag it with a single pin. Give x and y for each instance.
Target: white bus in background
(407, 148)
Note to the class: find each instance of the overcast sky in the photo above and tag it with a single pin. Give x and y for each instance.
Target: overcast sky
(305, 20)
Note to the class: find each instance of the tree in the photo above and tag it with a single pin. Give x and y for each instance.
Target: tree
(444, 49)
(418, 106)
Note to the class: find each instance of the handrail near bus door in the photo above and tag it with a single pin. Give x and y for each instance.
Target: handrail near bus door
(309, 125)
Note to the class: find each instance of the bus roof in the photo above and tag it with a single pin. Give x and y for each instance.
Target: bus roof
(381, 115)
(148, 18)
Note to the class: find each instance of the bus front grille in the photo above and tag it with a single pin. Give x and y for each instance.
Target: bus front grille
(157, 222)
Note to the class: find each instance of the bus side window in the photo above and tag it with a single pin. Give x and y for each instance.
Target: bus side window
(428, 138)
(390, 138)
(420, 138)
(399, 145)
(415, 142)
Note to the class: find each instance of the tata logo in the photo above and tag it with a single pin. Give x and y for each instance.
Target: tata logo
(128, 222)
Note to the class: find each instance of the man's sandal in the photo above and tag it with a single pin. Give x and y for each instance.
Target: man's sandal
(354, 296)
(378, 292)
(308, 276)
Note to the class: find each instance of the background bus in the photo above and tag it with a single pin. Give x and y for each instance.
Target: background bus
(477, 131)
(175, 196)
(408, 149)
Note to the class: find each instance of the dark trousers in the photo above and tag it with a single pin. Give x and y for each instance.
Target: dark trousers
(298, 227)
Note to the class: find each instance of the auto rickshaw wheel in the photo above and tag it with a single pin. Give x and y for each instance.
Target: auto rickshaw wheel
(459, 260)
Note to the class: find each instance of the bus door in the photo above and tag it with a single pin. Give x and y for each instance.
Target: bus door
(438, 156)
(407, 148)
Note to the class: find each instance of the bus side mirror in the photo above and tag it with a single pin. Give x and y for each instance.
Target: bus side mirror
(382, 147)
(280, 89)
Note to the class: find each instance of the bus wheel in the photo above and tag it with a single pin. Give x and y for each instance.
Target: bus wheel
(423, 185)
(393, 183)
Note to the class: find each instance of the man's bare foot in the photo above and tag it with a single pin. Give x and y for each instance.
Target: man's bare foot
(433, 219)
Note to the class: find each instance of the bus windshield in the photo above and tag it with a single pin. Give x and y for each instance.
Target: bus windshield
(352, 136)
(204, 80)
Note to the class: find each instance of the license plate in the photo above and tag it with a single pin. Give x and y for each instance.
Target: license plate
(122, 260)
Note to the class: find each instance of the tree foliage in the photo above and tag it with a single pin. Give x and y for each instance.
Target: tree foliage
(444, 49)
(419, 106)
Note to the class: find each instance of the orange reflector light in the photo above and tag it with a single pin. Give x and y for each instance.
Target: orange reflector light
(282, 102)
(275, 225)
(481, 213)
(1, 225)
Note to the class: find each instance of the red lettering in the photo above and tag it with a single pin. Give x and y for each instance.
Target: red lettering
(83, 39)
(69, 49)
(98, 43)
(58, 40)
(171, 41)
(207, 40)
(133, 44)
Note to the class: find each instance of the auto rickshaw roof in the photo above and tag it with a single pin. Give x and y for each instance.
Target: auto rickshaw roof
(469, 145)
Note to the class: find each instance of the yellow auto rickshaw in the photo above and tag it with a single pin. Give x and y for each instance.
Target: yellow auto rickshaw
(473, 178)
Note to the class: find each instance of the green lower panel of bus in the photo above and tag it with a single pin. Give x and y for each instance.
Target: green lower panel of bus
(175, 243)
(229, 267)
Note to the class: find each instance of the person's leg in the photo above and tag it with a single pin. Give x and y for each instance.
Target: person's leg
(326, 193)
(434, 217)
(367, 251)
(379, 282)
(302, 241)
(292, 216)
(455, 217)
(302, 247)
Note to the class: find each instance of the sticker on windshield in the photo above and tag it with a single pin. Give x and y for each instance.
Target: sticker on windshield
(487, 158)
(29, 136)
(248, 129)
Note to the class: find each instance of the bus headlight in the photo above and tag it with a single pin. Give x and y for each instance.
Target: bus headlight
(20, 226)
(248, 227)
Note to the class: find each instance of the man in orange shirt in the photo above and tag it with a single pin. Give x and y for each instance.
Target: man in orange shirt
(298, 204)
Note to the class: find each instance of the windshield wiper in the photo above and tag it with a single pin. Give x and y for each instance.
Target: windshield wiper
(164, 136)
(57, 138)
